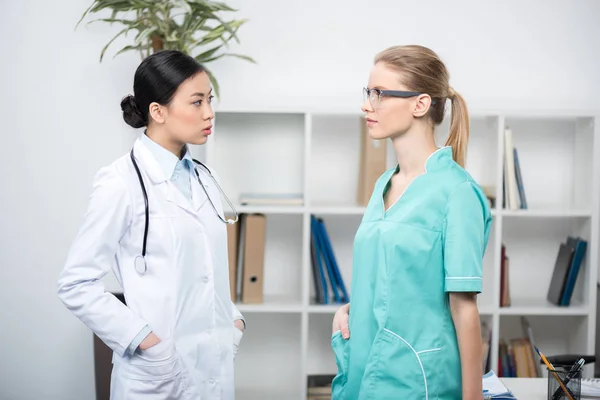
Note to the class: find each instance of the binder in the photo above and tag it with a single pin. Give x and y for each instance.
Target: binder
(233, 231)
(372, 164)
(253, 258)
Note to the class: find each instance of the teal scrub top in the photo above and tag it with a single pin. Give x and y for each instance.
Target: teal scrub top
(406, 260)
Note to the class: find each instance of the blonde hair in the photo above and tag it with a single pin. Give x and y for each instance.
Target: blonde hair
(423, 71)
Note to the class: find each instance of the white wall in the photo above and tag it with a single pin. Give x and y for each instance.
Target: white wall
(61, 121)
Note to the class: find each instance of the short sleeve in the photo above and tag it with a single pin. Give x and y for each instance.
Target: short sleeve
(466, 234)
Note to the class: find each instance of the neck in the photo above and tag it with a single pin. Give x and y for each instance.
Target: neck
(413, 148)
(162, 138)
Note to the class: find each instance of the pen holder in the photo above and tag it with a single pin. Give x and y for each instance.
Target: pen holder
(570, 380)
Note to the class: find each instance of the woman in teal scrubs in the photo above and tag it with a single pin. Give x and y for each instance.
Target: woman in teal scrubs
(414, 329)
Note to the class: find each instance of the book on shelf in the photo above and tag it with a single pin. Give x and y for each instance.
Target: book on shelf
(504, 279)
(271, 199)
(246, 253)
(512, 182)
(325, 271)
(569, 258)
(486, 342)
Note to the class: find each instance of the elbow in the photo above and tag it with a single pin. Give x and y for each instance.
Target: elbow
(68, 289)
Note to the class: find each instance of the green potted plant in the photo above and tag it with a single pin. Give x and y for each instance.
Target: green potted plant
(194, 27)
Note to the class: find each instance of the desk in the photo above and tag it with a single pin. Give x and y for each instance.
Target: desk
(527, 388)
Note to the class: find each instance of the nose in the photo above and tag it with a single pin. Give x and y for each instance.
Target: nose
(366, 106)
(208, 112)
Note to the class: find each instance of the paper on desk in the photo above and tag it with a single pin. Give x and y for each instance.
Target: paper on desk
(590, 388)
(494, 388)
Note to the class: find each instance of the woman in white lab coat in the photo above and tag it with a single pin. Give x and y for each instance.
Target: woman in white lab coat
(167, 245)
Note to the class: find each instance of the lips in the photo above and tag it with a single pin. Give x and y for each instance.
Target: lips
(207, 130)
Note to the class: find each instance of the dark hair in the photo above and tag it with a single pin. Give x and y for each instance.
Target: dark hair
(156, 80)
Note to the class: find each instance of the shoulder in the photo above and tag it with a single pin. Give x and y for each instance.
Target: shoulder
(459, 187)
(113, 177)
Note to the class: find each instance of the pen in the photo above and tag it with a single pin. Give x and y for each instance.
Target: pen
(576, 367)
(551, 369)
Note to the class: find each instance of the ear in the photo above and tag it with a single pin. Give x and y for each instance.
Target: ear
(422, 105)
(157, 112)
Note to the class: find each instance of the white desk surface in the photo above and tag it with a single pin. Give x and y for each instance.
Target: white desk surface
(527, 388)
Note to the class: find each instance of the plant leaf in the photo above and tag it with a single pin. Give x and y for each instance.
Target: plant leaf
(207, 54)
(214, 82)
(130, 48)
(112, 40)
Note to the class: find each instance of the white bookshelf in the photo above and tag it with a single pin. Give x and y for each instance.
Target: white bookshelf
(317, 153)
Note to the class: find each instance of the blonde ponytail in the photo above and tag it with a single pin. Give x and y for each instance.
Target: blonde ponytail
(423, 71)
(459, 128)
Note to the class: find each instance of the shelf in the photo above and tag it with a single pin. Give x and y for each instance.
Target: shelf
(251, 209)
(546, 213)
(272, 304)
(324, 308)
(486, 309)
(349, 209)
(318, 155)
(542, 307)
(336, 209)
(250, 393)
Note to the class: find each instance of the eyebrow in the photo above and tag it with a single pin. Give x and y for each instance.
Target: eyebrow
(198, 94)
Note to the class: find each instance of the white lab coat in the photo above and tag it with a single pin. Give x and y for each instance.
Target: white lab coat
(184, 296)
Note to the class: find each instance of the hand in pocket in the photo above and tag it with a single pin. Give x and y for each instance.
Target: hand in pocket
(149, 341)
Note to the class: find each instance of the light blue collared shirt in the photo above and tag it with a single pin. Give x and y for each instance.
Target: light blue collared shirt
(179, 172)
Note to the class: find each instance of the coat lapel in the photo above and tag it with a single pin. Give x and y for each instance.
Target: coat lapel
(157, 176)
(198, 194)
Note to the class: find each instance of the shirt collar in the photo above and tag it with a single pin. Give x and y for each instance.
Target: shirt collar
(437, 160)
(167, 160)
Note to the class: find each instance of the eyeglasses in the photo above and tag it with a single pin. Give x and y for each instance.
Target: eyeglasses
(374, 95)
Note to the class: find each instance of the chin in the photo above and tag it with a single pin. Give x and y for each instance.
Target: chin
(377, 134)
(202, 139)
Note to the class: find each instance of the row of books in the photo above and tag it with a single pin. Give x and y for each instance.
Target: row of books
(517, 357)
(328, 281)
(570, 256)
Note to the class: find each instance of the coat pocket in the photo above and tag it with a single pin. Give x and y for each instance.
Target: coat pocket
(340, 350)
(155, 363)
(396, 370)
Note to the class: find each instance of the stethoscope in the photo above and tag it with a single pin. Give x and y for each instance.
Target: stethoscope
(140, 260)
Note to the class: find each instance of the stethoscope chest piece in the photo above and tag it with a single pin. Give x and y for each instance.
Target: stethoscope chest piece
(140, 264)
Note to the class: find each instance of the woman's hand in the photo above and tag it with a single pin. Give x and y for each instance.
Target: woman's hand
(149, 341)
(239, 324)
(340, 321)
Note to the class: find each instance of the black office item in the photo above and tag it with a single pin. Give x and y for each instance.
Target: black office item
(569, 359)
(559, 277)
(574, 373)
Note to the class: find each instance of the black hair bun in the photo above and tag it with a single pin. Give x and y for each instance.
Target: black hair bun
(131, 112)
